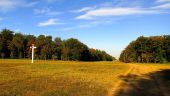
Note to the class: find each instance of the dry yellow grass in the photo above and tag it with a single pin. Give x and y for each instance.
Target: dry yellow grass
(58, 78)
(145, 80)
(68, 78)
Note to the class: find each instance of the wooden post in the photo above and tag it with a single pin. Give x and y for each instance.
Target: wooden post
(33, 47)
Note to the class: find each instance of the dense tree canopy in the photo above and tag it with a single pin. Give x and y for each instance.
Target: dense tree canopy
(6, 38)
(73, 49)
(155, 49)
(18, 46)
(98, 55)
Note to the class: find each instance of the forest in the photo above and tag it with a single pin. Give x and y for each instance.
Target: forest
(17, 46)
(153, 49)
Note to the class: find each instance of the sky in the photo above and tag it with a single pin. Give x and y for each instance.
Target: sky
(108, 25)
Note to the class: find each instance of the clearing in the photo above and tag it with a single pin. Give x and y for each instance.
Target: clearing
(69, 78)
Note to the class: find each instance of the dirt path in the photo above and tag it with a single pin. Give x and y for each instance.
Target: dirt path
(138, 82)
(112, 91)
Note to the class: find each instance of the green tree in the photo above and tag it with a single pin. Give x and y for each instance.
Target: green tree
(1, 44)
(167, 47)
(18, 42)
(6, 38)
(40, 43)
(58, 48)
(146, 49)
(98, 55)
(29, 40)
(47, 49)
(18, 46)
(73, 49)
(13, 49)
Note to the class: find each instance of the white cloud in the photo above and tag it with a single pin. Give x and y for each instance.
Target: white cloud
(162, 1)
(165, 4)
(90, 24)
(50, 22)
(162, 6)
(103, 12)
(17, 30)
(45, 12)
(30, 4)
(6, 5)
(84, 9)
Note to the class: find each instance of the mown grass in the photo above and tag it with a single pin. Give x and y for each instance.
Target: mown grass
(58, 78)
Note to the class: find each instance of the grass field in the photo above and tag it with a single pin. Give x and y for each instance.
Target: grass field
(69, 78)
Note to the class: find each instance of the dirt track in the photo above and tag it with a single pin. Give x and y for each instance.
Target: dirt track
(135, 82)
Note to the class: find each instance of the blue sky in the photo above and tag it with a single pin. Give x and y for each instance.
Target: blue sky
(108, 25)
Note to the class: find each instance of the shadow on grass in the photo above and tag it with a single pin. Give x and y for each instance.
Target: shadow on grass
(151, 84)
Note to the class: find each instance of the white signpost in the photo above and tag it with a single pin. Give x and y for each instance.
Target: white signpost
(33, 47)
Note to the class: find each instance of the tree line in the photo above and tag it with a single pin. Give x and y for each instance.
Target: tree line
(154, 49)
(17, 45)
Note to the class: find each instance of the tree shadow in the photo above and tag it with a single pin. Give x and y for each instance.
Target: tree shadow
(151, 84)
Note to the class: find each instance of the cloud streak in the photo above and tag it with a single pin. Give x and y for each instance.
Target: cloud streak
(7, 5)
(162, 6)
(121, 11)
(162, 1)
(83, 9)
(45, 12)
(50, 22)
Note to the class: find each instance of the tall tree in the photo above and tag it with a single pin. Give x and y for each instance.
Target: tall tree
(40, 43)
(29, 40)
(166, 47)
(1, 44)
(146, 49)
(18, 41)
(73, 49)
(47, 49)
(58, 48)
(99, 55)
(18, 46)
(6, 38)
